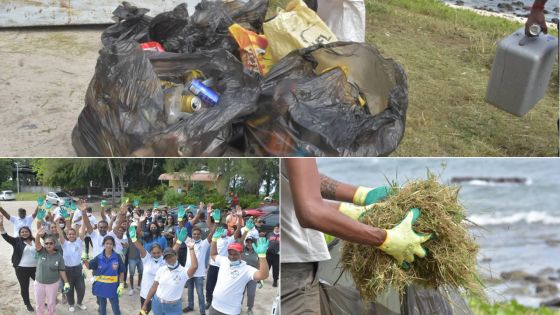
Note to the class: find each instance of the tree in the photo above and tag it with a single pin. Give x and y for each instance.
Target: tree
(69, 173)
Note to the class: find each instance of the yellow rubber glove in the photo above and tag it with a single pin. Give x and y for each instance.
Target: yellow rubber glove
(351, 210)
(66, 288)
(120, 289)
(403, 243)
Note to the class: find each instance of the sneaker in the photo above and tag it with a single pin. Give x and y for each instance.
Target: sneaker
(72, 309)
(125, 285)
(275, 284)
(249, 311)
(208, 305)
(82, 307)
(131, 292)
(187, 309)
(30, 308)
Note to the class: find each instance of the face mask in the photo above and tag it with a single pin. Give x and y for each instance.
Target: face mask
(276, 233)
(196, 242)
(173, 267)
(235, 263)
(157, 260)
(61, 225)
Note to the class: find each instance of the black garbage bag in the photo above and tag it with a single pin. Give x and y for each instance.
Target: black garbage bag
(132, 24)
(169, 24)
(207, 28)
(125, 114)
(309, 104)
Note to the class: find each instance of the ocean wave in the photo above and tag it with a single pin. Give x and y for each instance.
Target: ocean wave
(489, 181)
(531, 217)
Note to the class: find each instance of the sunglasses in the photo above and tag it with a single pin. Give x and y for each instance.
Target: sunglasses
(49, 243)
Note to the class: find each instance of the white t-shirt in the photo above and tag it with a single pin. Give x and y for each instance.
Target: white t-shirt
(200, 250)
(28, 257)
(72, 253)
(149, 274)
(230, 285)
(298, 244)
(253, 233)
(118, 242)
(222, 244)
(171, 282)
(77, 218)
(92, 219)
(19, 223)
(97, 241)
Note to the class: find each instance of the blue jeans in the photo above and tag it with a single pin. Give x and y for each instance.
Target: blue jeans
(166, 309)
(198, 282)
(103, 305)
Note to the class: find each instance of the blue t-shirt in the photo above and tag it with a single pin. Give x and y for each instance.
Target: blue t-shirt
(106, 272)
(149, 240)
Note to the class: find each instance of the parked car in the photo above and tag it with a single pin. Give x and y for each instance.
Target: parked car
(260, 211)
(7, 195)
(108, 192)
(58, 197)
(269, 222)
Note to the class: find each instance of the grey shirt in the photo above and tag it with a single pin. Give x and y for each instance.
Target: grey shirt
(298, 244)
(48, 267)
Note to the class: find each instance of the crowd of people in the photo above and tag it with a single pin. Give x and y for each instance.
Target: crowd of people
(221, 255)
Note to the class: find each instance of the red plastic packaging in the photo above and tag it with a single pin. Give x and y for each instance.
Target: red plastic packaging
(153, 46)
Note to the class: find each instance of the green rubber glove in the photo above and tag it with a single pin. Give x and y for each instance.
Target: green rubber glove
(40, 201)
(67, 203)
(85, 256)
(181, 213)
(136, 203)
(73, 206)
(120, 289)
(64, 213)
(66, 288)
(48, 206)
(132, 233)
(156, 204)
(219, 231)
(103, 203)
(182, 236)
(261, 284)
(250, 225)
(216, 215)
(403, 243)
(41, 214)
(261, 248)
(367, 196)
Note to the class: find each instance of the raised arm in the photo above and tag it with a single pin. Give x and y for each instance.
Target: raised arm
(136, 242)
(215, 234)
(194, 261)
(34, 214)
(5, 235)
(260, 249)
(40, 234)
(83, 207)
(5, 213)
(60, 235)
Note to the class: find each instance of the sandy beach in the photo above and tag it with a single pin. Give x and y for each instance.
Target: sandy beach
(13, 304)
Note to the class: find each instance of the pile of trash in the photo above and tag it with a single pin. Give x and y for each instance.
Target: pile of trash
(225, 82)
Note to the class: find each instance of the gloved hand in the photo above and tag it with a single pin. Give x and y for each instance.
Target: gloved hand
(182, 236)
(261, 248)
(67, 203)
(64, 213)
(143, 312)
(73, 206)
(367, 196)
(181, 213)
(132, 233)
(249, 224)
(216, 215)
(85, 256)
(219, 232)
(41, 214)
(103, 203)
(156, 204)
(66, 288)
(48, 206)
(261, 284)
(136, 203)
(403, 243)
(40, 201)
(120, 289)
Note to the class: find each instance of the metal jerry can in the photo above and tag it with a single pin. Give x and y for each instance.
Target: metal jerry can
(521, 71)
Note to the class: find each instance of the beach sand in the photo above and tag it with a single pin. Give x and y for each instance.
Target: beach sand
(13, 304)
